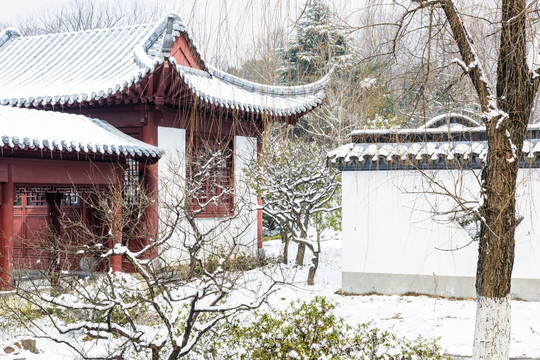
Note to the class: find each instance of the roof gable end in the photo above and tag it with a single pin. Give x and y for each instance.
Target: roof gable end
(7, 35)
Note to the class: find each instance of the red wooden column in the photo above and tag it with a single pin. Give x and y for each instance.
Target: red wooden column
(151, 184)
(7, 190)
(116, 226)
(55, 257)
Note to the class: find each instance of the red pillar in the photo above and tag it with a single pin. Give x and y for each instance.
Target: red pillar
(116, 227)
(151, 184)
(6, 232)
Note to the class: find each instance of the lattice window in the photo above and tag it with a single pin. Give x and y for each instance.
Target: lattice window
(470, 222)
(210, 176)
(19, 193)
(36, 198)
(32, 195)
(70, 199)
(132, 182)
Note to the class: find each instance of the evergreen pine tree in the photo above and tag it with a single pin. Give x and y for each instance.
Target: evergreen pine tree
(319, 43)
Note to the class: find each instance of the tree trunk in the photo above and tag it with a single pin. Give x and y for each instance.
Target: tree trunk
(285, 240)
(499, 180)
(315, 261)
(313, 269)
(300, 254)
(496, 253)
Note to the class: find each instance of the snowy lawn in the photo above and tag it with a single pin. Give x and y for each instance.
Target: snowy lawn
(407, 316)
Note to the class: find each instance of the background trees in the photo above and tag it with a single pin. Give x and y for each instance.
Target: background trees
(319, 42)
(78, 15)
(298, 192)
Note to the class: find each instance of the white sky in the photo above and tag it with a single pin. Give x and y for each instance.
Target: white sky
(234, 25)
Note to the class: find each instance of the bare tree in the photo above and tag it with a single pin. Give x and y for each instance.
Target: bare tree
(296, 186)
(78, 15)
(182, 284)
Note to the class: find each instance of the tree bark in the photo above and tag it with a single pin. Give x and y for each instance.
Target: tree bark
(499, 180)
(506, 115)
(313, 269)
(285, 240)
(300, 254)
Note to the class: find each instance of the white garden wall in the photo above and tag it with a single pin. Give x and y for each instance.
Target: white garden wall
(399, 228)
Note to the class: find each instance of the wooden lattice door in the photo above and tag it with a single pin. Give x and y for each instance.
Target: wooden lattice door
(39, 233)
(30, 219)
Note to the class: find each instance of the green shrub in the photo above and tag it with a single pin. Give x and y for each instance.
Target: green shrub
(240, 262)
(311, 330)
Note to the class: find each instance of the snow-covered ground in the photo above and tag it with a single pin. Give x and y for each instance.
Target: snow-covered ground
(410, 316)
(407, 316)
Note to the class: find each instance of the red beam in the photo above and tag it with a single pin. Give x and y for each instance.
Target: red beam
(42, 171)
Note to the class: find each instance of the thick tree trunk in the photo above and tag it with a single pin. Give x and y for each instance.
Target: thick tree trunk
(496, 252)
(505, 140)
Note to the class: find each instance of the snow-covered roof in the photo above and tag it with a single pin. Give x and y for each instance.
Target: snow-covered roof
(30, 129)
(79, 67)
(372, 155)
(219, 88)
(450, 120)
(435, 148)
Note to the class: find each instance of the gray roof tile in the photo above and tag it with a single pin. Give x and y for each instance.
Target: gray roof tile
(56, 131)
(89, 65)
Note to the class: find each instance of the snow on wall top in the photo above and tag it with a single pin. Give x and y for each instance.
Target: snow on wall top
(30, 129)
(218, 88)
(452, 120)
(432, 146)
(68, 68)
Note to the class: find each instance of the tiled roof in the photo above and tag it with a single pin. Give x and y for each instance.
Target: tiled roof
(222, 89)
(74, 67)
(77, 67)
(452, 120)
(30, 129)
(435, 148)
(368, 155)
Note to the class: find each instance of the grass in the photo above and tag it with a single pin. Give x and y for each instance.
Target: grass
(410, 293)
(271, 237)
(13, 304)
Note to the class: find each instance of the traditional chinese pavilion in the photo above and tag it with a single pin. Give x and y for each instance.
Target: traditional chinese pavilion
(151, 83)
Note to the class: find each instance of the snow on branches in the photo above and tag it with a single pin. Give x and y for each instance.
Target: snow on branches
(181, 285)
(295, 185)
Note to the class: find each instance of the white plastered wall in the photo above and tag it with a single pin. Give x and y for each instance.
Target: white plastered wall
(398, 231)
(172, 168)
